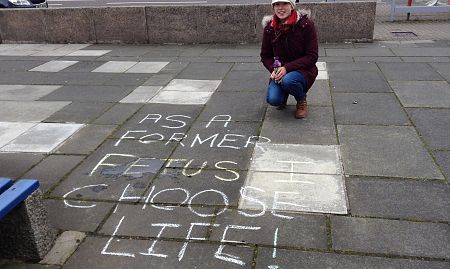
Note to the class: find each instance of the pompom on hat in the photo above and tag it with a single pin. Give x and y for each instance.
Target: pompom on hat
(292, 2)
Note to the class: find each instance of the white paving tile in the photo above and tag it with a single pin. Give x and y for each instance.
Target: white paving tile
(322, 75)
(147, 67)
(43, 138)
(17, 52)
(88, 53)
(141, 94)
(25, 92)
(295, 192)
(33, 111)
(291, 177)
(181, 98)
(189, 85)
(321, 66)
(10, 130)
(312, 159)
(114, 67)
(53, 66)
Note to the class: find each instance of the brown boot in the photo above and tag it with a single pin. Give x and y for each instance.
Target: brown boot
(302, 109)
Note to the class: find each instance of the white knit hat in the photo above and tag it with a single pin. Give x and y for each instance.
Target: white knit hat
(292, 2)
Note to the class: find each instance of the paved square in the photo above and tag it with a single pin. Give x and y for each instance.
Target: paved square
(10, 130)
(186, 92)
(115, 67)
(304, 178)
(147, 67)
(35, 111)
(422, 93)
(141, 94)
(25, 92)
(53, 66)
(43, 137)
(391, 151)
(88, 53)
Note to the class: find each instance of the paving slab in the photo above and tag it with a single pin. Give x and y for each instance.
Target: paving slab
(336, 59)
(18, 265)
(83, 66)
(378, 59)
(443, 69)
(443, 159)
(76, 78)
(43, 137)
(181, 98)
(14, 165)
(169, 121)
(115, 171)
(65, 245)
(88, 53)
(135, 215)
(426, 59)
(358, 66)
(35, 111)
(127, 79)
(78, 112)
(391, 237)
(147, 67)
(23, 78)
(369, 108)
(253, 81)
(318, 94)
(240, 106)
(105, 253)
(218, 141)
(209, 70)
(141, 94)
(118, 114)
(159, 80)
(408, 71)
(71, 215)
(209, 186)
(192, 85)
(10, 130)
(89, 93)
(291, 230)
(25, 92)
(115, 67)
(294, 259)
(432, 125)
(295, 192)
(281, 127)
(399, 199)
(244, 66)
(19, 66)
(374, 51)
(358, 81)
(86, 140)
(174, 68)
(53, 66)
(53, 169)
(429, 51)
(391, 151)
(413, 93)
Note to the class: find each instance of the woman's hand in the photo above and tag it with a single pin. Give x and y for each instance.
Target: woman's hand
(279, 74)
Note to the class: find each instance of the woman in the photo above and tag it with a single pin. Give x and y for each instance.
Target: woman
(290, 36)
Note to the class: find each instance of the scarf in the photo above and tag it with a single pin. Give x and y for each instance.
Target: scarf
(288, 23)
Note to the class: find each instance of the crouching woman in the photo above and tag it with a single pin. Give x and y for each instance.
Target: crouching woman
(289, 50)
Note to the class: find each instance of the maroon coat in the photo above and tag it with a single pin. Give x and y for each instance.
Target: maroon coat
(297, 49)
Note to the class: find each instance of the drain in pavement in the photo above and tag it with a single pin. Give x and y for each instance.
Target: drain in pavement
(403, 34)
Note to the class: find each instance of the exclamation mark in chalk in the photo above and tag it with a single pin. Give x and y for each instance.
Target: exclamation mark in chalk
(274, 253)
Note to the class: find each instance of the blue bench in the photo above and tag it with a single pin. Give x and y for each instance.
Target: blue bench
(12, 194)
(24, 230)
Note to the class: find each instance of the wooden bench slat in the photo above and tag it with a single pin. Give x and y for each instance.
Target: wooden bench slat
(5, 183)
(16, 194)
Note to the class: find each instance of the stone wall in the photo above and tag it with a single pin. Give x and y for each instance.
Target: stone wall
(335, 22)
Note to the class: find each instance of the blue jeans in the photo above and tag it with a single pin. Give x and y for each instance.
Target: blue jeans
(292, 83)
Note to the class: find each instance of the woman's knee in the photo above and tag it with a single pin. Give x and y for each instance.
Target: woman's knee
(274, 100)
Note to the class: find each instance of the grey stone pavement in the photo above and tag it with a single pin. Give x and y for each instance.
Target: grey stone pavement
(166, 156)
